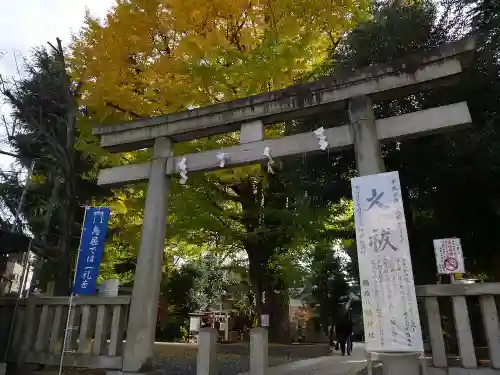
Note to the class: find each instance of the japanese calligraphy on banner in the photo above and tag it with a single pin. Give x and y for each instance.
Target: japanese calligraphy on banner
(93, 236)
(390, 311)
(449, 256)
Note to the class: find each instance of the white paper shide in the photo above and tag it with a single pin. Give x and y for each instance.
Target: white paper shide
(390, 312)
(449, 256)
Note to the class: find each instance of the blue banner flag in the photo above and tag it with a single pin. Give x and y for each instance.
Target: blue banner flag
(89, 258)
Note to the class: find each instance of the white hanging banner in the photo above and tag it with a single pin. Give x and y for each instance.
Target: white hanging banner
(390, 312)
(449, 256)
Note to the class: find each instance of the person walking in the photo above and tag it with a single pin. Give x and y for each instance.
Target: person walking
(343, 330)
(333, 342)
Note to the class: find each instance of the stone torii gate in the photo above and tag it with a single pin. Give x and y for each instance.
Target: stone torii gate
(355, 91)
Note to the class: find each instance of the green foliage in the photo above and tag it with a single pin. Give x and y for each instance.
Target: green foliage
(11, 242)
(243, 298)
(327, 281)
(176, 302)
(212, 284)
(449, 180)
(199, 286)
(398, 29)
(174, 330)
(43, 129)
(176, 291)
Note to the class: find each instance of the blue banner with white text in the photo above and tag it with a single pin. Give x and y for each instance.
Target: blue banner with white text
(93, 237)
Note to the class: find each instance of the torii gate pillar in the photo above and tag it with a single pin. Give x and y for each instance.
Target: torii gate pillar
(366, 143)
(369, 161)
(148, 272)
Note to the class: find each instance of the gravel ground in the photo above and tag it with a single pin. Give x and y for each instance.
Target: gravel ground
(175, 359)
(229, 364)
(179, 359)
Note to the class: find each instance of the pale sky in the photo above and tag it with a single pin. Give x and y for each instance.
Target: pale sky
(25, 24)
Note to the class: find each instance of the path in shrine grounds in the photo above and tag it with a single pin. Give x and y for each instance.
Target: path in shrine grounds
(182, 361)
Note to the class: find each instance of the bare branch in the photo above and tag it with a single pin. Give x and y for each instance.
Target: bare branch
(123, 110)
(8, 154)
(54, 48)
(10, 132)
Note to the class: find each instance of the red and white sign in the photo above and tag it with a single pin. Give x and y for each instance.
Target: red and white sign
(449, 256)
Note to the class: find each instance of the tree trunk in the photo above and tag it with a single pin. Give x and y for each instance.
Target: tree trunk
(276, 301)
(65, 260)
(260, 248)
(278, 307)
(256, 277)
(63, 279)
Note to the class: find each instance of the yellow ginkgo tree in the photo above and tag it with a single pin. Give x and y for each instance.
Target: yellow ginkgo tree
(152, 57)
(157, 56)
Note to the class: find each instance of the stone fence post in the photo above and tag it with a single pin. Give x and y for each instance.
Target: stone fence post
(207, 352)
(258, 351)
